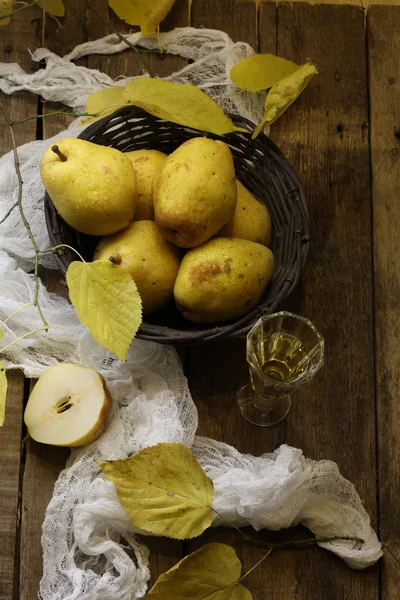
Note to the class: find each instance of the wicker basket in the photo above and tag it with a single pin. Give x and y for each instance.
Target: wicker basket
(260, 166)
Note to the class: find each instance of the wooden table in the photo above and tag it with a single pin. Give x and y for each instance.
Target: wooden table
(343, 139)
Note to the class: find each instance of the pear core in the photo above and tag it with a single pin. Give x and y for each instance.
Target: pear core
(68, 406)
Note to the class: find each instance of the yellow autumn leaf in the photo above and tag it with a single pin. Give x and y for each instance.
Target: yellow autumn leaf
(3, 394)
(213, 572)
(106, 300)
(104, 102)
(146, 13)
(6, 7)
(53, 7)
(284, 93)
(2, 334)
(180, 103)
(261, 72)
(163, 490)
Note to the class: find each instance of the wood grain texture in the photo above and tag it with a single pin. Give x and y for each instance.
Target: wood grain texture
(44, 463)
(360, 3)
(325, 137)
(62, 42)
(215, 371)
(164, 553)
(42, 467)
(384, 77)
(129, 64)
(14, 41)
(10, 464)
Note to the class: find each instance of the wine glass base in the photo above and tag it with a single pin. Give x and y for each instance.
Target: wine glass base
(256, 416)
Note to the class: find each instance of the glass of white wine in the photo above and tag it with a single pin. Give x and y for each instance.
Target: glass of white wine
(283, 352)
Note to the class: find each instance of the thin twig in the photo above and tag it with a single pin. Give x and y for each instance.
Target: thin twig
(246, 537)
(313, 541)
(121, 37)
(23, 217)
(21, 337)
(256, 565)
(268, 545)
(309, 541)
(16, 312)
(64, 25)
(55, 248)
(17, 10)
(390, 552)
(57, 21)
(8, 213)
(51, 114)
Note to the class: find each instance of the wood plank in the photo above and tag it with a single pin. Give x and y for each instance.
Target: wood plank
(214, 395)
(384, 75)
(164, 553)
(325, 136)
(14, 41)
(129, 64)
(10, 444)
(62, 42)
(360, 3)
(43, 463)
(42, 467)
(224, 362)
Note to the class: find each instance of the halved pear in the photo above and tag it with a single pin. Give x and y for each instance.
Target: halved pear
(68, 406)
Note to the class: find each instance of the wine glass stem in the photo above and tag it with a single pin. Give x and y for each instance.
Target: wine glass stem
(264, 402)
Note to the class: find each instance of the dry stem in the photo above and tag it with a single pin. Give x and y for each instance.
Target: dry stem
(17, 10)
(23, 217)
(121, 37)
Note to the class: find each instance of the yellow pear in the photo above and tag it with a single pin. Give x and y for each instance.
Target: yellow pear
(194, 192)
(93, 187)
(222, 280)
(68, 406)
(251, 220)
(151, 260)
(145, 163)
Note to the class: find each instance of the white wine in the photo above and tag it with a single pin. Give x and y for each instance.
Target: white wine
(283, 352)
(284, 357)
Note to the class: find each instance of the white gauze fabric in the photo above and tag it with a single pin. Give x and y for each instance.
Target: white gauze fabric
(86, 532)
(212, 51)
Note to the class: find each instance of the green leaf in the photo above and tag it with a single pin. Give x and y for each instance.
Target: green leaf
(146, 13)
(3, 394)
(106, 300)
(53, 7)
(212, 572)
(163, 490)
(261, 72)
(284, 93)
(103, 103)
(180, 103)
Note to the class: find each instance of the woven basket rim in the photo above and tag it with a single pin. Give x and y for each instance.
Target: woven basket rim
(200, 334)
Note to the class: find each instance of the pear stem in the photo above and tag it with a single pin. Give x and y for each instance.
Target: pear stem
(57, 150)
(116, 260)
